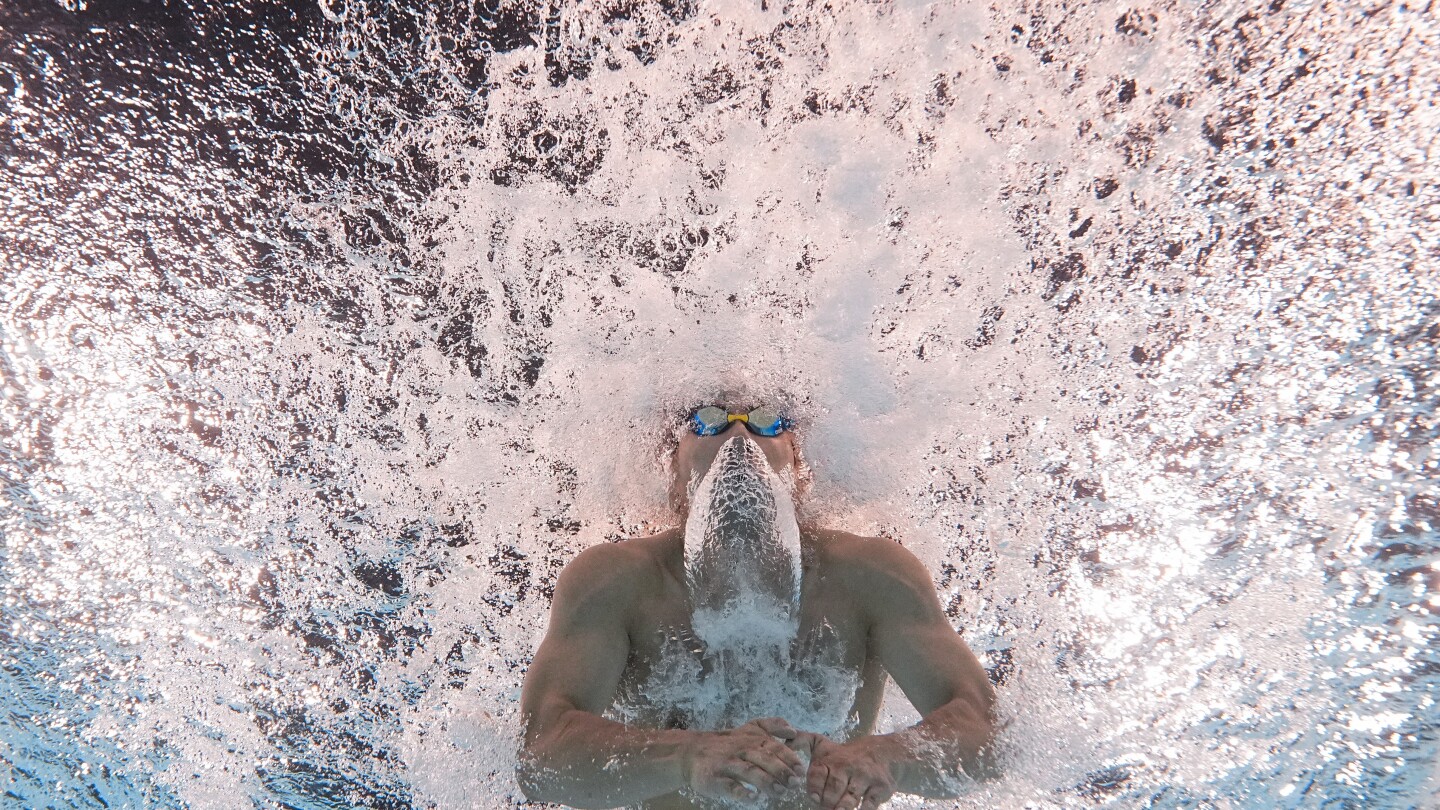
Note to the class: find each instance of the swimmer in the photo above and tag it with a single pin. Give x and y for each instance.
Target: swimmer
(707, 666)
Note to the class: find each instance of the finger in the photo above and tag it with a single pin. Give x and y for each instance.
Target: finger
(821, 744)
(741, 790)
(835, 786)
(815, 782)
(777, 773)
(872, 799)
(777, 726)
(781, 769)
(801, 742)
(743, 771)
(850, 799)
(878, 794)
(794, 766)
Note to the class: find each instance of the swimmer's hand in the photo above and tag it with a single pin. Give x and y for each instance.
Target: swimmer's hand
(847, 776)
(743, 762)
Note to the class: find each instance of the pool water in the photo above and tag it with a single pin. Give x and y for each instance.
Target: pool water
(331, 330)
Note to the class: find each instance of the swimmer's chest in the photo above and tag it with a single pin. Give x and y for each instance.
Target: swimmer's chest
(828, 615)
(830, 682)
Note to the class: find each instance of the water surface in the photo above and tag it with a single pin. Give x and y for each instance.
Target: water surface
(331, 331)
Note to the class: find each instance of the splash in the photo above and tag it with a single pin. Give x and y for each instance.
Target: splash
(742, 658)
(742, 550)
(328, 336)
(697, 686)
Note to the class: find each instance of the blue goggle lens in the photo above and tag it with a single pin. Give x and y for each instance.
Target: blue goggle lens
(765, 420)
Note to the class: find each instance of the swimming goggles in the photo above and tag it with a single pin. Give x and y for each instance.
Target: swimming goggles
(765, 420)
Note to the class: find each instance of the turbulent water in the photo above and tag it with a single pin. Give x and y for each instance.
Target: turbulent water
(745, 654)
(332, 330)
(742, 547)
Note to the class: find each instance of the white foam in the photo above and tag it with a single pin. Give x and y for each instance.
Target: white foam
(1154, 489)
(742, 545)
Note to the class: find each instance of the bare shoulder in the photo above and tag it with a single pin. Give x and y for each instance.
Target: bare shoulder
(880, 572)
(606, 578)
(853, 555)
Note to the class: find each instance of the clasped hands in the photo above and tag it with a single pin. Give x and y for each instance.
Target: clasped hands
(764, 756)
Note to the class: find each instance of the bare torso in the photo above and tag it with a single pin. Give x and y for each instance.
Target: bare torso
(836, 681)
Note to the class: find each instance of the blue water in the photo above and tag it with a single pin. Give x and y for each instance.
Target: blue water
(331, 331)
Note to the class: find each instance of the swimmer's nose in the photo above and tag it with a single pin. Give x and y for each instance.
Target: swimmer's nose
(736, 428)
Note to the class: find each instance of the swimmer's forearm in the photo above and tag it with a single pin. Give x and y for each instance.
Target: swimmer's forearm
(591, 762)
(937, 756)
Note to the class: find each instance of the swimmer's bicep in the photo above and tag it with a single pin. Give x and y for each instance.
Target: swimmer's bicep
(915, 642)
(586, 645)
(933, 666)
(578, 670)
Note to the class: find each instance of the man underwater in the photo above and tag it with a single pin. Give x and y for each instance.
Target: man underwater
(740, 659)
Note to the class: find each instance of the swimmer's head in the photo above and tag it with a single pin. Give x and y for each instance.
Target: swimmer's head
(694, 455)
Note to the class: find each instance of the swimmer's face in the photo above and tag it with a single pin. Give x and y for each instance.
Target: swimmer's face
(694, 455)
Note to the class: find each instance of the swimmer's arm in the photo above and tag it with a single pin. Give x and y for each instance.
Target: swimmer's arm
(939, 674)
(570, 754)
